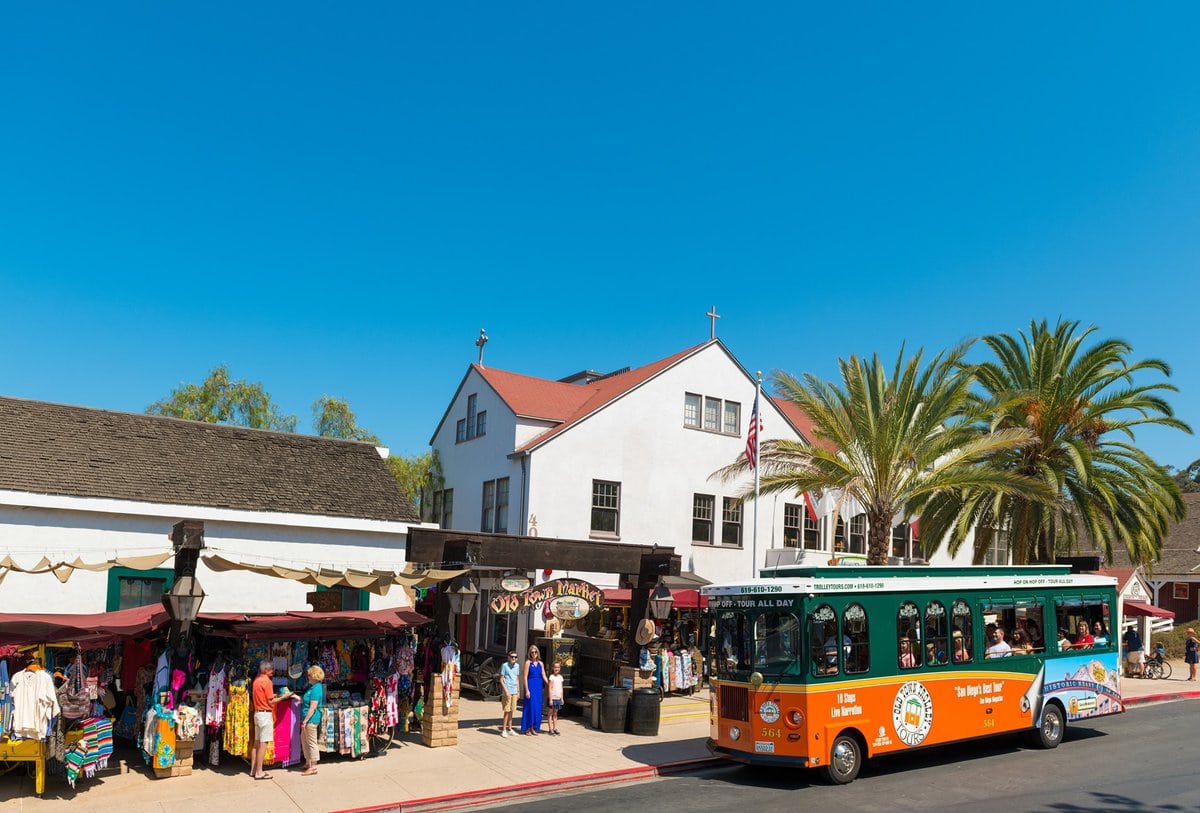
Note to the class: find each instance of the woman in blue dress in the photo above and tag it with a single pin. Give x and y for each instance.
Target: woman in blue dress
(533, 686)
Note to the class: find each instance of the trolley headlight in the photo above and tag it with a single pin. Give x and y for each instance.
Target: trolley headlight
(794, 718)
(756, 678)
(735, 733)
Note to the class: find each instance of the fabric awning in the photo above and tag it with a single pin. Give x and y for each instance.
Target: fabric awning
(310, 624)
(378, 582)
(91, 629)
(62, 570)
(684, 599)
(1137, 608)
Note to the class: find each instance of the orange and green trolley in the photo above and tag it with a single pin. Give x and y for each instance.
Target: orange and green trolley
(825, 667)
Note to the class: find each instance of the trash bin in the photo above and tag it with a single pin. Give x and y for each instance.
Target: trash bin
(614, 707)
(645, 711)
(595, 698)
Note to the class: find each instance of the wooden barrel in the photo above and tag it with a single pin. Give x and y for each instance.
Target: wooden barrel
(645, 710)
(614, 706)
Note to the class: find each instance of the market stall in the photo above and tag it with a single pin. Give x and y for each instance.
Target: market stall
(369, 659)
(60, 680)
(670, 651)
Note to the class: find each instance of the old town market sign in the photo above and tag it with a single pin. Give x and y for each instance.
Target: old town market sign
(536, 596)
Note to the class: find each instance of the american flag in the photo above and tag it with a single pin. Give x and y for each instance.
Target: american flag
(812, 509)
(752, 436)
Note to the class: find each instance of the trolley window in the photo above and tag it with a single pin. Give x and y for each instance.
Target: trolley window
(937, 644)
(1085, 622)
(776, 643)
(854, 625)
(823, 640)
(908, 634)
(962, 639)
(734, 643)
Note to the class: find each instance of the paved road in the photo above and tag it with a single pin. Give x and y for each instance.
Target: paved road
(1144, 761)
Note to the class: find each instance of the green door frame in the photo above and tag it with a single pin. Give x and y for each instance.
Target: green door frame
(113, 600)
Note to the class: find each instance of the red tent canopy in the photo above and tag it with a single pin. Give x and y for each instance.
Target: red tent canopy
(684, 599)
(92, 629)
(309, 624)
(1136, 608)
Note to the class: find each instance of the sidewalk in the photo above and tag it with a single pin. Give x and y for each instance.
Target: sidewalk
(481, 762)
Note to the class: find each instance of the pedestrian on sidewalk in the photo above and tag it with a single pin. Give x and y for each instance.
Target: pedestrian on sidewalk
(510, 689)
(556, 695)
(1133, 652)
(533, 687)
(312, 710)
(1191, 648)
(263, 697)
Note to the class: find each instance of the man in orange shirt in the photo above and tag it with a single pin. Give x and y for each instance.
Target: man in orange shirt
(263, 700)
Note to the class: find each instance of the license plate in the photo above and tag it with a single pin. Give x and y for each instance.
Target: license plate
(764, 747)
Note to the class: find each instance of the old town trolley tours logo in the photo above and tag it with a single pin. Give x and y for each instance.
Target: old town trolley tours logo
(912, 713)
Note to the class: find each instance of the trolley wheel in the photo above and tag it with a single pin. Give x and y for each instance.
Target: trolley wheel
(1054, 724)
(487, 679)
(381, 740)
(1153, 670)
(845, 760)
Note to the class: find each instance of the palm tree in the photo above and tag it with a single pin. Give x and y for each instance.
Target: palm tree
(1081, 405)
(896, 439)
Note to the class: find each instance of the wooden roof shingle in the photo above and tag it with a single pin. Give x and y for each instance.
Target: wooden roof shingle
(77, 451)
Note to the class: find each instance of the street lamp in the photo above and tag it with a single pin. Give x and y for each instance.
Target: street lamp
(183, 601)
(661, 601)
(462, 595)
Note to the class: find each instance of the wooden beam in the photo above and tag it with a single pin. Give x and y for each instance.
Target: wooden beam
(433, 546)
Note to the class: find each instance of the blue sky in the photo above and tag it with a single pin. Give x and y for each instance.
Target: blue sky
(335, 200)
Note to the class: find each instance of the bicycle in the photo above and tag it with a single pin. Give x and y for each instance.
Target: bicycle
(1156, 667)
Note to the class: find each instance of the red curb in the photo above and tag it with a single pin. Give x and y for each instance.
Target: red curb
(1161, 696)
(475, 798)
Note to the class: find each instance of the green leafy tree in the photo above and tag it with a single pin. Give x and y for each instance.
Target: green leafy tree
(900, 436)
(1082, 405)
(220, 399)
(333, 418)
(418, 476)
(1187, 478)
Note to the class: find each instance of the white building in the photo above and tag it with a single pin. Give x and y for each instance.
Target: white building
(629, 456)
(95, 485)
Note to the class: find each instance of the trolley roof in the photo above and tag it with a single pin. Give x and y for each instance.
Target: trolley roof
(864, 579)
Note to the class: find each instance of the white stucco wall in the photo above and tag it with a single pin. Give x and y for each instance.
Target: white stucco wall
(640, 441)
(466, 465)
(30, 532)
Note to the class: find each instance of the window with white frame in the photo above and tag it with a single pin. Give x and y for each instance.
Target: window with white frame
(1181, 591)
(901, 541)
(733, 418)
(606, 507)
(443, 508)
(702, 518)
(731, 522)
(997, 547)
(712, 414)
(489, 506)
(858, 534)
(812, 533)
(793, 517)
(494, 512)
(472, 426)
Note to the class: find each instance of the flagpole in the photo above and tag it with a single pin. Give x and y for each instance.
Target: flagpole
(757, 458)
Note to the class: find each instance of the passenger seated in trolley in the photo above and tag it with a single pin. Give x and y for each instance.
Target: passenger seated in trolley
(933, 655)
(961, 653)
(997, 647)
(907, 659)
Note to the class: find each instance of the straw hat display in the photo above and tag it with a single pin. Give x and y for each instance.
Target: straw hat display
(645, 632)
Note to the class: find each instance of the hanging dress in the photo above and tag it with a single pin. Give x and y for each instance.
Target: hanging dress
(237, 721)
(531, 713)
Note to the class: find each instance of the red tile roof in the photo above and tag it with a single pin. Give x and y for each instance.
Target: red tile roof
(569, 404)
(803, 423)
